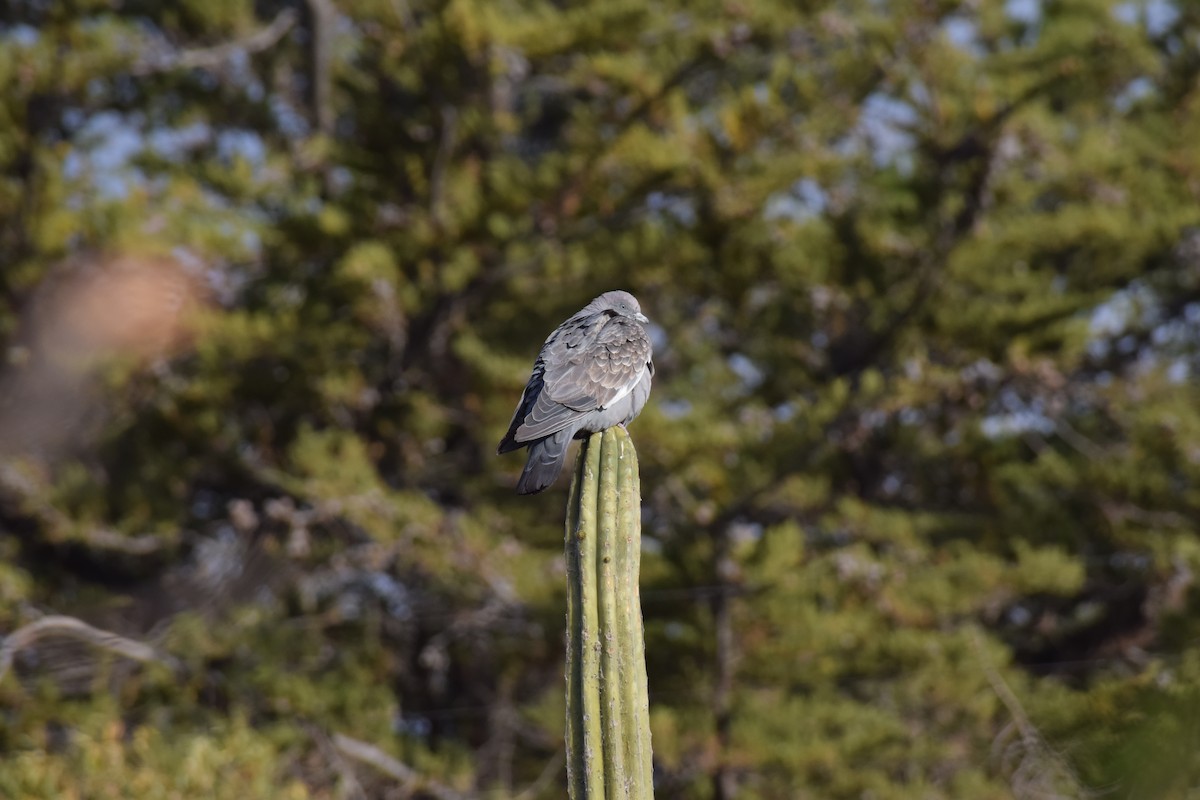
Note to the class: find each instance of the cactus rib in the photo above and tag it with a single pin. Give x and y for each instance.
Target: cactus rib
(608, 724)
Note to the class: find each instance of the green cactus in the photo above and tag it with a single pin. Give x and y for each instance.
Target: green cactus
(608, 714)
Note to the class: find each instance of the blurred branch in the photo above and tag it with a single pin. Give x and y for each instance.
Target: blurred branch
(212, 57)
(410, 779)
(1004, 691)
(724, 664)
(558, 209)
(351, 787)
(30, 503)
(1118, 513)
(404, 14)
(437, 180)
(104, 539)
(978, 149)
(1085, 446)
(552, 768)
(322, 15)
(1038, 770)
(69, 626)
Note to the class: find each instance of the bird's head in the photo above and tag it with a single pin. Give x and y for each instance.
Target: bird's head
(620, 303)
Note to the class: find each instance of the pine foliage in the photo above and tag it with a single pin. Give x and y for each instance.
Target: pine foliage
(919, 471)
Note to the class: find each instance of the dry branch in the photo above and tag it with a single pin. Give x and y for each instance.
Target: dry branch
(166, 60)
(77, 629)
(322, 17)
(410, 780)
(1034, 769)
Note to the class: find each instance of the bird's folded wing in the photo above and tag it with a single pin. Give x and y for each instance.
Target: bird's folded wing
(584, 373)
(529, 397)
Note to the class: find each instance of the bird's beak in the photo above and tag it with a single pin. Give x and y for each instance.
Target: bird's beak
(640, 317)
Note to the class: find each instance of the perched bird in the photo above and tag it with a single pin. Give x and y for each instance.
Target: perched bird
(592, 373)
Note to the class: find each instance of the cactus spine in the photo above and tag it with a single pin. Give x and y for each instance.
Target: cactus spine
(608, 714)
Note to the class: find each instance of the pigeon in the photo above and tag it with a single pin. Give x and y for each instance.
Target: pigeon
(592, 373)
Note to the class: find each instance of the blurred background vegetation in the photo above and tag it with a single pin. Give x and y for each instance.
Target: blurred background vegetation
(919, 471)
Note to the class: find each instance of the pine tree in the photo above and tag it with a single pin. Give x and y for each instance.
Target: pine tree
(918, 468)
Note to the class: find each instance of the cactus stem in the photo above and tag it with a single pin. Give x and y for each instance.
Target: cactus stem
(608, 723)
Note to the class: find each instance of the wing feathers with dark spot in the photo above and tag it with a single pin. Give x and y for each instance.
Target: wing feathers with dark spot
(591, 373)
(595, 364)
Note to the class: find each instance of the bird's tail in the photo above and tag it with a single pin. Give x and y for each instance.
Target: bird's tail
(546, 457)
